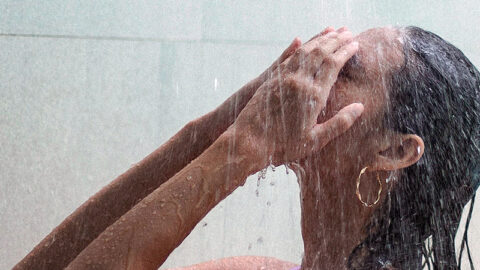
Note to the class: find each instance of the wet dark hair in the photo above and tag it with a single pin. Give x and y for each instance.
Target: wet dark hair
(436, 96)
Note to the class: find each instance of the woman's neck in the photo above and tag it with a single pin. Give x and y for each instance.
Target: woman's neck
(332, 218)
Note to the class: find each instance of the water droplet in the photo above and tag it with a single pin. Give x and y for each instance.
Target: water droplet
(261, 175)
(260, 240)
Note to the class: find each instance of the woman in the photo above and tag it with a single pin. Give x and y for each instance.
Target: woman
(421, 101)
(391, 74)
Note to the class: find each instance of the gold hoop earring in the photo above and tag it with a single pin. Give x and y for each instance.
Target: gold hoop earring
(359, 196)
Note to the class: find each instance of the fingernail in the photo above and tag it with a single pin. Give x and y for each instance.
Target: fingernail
(328, 29)
(294, 42)
(358, 109)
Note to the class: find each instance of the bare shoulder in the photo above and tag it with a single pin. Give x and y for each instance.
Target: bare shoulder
(241, 263)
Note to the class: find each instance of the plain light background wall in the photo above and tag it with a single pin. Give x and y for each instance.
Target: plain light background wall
(88, 88)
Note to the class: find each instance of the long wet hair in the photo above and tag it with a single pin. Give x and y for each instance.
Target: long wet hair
(436, 96)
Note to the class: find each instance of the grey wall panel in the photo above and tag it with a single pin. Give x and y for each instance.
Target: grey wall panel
(167, 19)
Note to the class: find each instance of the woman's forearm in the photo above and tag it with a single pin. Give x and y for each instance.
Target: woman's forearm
(269, 130)
(68, 239)
(145, 236)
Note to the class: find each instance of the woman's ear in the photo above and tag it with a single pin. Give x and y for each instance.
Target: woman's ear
(402, 151)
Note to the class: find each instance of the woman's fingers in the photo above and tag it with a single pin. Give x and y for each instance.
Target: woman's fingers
(344, 28)
(329, 43)
(311, 55)
(331, 66)
(325, 47)
(305, 50)
(296, 43)
(323, 133)
(325, 31)
(328, 72)
(316, 41)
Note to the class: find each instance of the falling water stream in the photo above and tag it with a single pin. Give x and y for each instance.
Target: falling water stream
(89, 88)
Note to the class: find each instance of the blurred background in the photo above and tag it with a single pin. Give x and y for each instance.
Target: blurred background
(88, 88)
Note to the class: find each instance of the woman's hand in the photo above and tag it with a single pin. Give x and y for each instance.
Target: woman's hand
(279, 125)
(272, 70)
(213, 124)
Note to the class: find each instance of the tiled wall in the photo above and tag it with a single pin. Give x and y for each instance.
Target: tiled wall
(88, 88)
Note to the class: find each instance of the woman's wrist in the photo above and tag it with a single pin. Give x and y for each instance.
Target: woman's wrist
(244, 150)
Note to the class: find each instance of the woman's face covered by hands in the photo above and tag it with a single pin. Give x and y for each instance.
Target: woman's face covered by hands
(280, 120)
